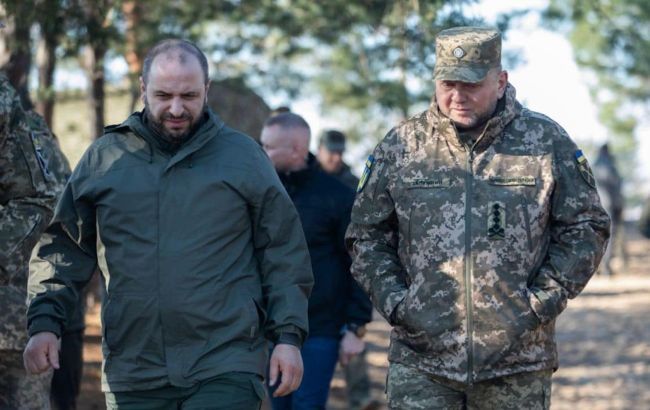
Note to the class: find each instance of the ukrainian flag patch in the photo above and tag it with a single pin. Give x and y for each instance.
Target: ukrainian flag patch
(585, 170)
(366, 173)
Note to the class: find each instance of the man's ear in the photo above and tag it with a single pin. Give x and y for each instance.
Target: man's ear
(503, 82)
(207, 88)
(142, 90)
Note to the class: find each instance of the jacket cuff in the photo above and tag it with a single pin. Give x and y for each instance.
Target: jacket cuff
(544, 305)
(44, 324)
(290, 335)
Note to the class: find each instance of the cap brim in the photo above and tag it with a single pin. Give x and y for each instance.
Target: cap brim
(459, 73)
(335, 147)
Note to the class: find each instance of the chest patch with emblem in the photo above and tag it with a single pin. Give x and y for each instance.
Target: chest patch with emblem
(496, 224)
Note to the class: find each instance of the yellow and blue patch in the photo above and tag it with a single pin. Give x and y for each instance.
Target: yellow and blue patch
(366, 173)
(585, 170)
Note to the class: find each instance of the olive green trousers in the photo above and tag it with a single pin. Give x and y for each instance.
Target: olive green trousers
(229, 391)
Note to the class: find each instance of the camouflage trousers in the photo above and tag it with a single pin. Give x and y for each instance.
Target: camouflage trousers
(410, 388)
(19, 390)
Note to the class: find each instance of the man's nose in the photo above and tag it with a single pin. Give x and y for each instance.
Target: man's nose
(457, 95)
(176, 107)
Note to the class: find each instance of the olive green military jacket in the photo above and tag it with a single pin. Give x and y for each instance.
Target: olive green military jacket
(27, 200)
(472, 252)
(202, 253)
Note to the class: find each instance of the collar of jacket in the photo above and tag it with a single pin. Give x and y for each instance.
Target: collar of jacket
(507, 109)
(209, 128)
(297, 178)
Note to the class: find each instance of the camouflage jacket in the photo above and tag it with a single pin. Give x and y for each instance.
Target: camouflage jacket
(27, 199)
(471, 253)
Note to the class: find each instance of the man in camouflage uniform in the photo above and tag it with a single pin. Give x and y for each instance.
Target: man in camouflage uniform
(474, 223)
(66, 380)
(27, 199)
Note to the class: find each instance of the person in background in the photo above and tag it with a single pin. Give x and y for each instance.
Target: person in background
(610, 188)
(338, 308)
(474, 223)
(331, 147)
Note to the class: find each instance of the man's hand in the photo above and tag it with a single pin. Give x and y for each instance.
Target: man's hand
(286, 361)
(41, 353)
(351, 345)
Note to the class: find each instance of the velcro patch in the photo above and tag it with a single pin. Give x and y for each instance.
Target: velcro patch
(512, 181)
(429, 183)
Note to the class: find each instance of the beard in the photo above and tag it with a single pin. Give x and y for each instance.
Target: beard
(175, 137)
(479, 121)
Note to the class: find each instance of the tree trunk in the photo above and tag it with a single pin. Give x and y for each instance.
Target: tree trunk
(94, 64)
(46, 65)
(134, 56)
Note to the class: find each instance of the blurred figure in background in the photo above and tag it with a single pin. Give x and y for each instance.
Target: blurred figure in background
(610, 185)
(338, 308)
(331, 147)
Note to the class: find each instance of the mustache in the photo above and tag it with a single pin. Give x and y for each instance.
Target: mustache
(169, 116)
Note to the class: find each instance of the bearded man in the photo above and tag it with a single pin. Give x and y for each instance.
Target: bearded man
(201, 249)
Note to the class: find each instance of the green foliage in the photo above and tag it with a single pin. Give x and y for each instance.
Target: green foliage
(611, 39)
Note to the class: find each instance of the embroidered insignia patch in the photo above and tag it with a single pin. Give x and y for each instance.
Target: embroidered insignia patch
(512, 181)
(585, 170)
(496, 224)
(366, 173)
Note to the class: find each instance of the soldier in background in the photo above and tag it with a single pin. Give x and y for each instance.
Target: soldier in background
(27, 199)
(610, 185)
(331, 147)
(475, 221)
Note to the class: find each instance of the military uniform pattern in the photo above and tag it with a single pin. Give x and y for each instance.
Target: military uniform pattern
(412, 389)
(467, 53)
(19, 391)
(473, 295)
(27, 198)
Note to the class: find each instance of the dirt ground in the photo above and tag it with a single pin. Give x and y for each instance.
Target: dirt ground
(603, 338)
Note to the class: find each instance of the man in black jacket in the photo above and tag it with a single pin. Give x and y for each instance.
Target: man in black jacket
(337, 306)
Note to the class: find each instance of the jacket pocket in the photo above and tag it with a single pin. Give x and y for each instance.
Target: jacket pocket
(129, 324)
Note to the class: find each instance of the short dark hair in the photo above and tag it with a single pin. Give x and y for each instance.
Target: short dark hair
(165, 46)
(287, 120)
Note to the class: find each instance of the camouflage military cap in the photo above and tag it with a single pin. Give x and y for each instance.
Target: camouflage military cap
(467, 53)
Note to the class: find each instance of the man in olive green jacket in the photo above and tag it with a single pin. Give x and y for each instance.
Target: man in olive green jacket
(200, 247)
(474, 224)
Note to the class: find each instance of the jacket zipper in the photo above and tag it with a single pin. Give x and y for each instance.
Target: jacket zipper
(468, 267)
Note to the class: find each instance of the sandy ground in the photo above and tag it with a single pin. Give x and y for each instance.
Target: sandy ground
(603, 337)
